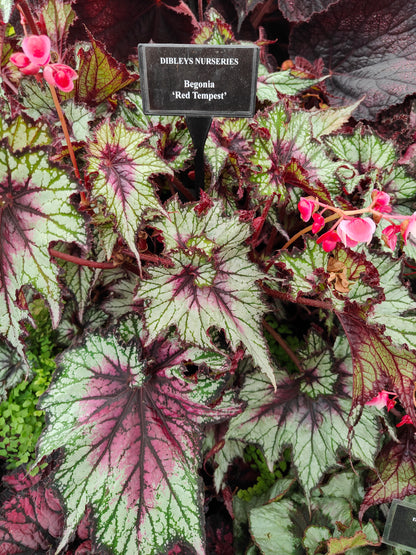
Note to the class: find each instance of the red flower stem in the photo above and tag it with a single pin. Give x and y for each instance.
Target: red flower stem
(338, 214)
(24, 9)
(277, 337)
(65, 130)
(200, 11)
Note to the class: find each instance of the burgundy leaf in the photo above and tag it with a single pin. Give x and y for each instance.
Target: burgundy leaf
(368, 48)
(297, 11)
(396, 473)
(31, 518)
(122, 24)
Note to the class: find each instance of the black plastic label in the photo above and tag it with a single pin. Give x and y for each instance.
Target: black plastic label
(198, 80)
(400, 529)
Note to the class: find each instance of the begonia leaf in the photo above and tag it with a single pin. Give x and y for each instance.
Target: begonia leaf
(122, 24)
(214, 30)
(20, 135)
(130, 429)
(37, 101)
(78, 279)
(6, 7)
(229, 147)
(123, 164)
(211, 283)
(13, 369)
(271, 86)
(57, 18)
(31, 517)
(168, 135)
(99, 75)
(309, 412)
(296, 11)
(378, 363)
(373, 156)
(286, 154)
(396, 313)
(79, 117)
(271, 525)
(35, 210)
(347, 36)
(338, 546)
(396, 473)
(310, 273)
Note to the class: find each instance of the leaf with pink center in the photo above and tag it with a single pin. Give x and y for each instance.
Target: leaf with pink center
(130, 423)
(35, 210)
(211, 283)
(31, 517)
(291, 155)
(124, 163)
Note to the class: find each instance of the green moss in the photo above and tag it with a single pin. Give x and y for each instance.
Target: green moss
(20, 421)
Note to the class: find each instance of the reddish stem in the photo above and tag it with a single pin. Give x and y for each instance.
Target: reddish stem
(182, 189)
(277, 337)
(200, 11)
(23, 8)
(83, 261)
(65, 130)
(299, 300)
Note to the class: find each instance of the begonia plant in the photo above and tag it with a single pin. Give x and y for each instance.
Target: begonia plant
(236, 365)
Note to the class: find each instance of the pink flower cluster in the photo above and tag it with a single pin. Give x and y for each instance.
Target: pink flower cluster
(36, 55)
(352, 230)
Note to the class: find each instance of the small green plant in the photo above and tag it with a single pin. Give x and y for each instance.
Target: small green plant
(20, 421)
(265, 480)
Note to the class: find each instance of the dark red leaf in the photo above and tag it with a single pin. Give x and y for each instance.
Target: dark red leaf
(122, 24)
(369, 49)
(31, 518)
(302, 10)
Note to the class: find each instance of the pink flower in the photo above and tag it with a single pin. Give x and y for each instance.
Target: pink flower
(405, 420)
(306, 207)
(382, 201)
(37, 48)
(60, 75)
(318, 222)
(36, 54)
(409, 226)
(382, 400)
(389, 235)
(328, 240)
(356, 230)
(21, 61)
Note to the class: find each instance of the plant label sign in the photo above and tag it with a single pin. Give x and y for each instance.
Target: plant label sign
(400, 529)
(198, 80)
